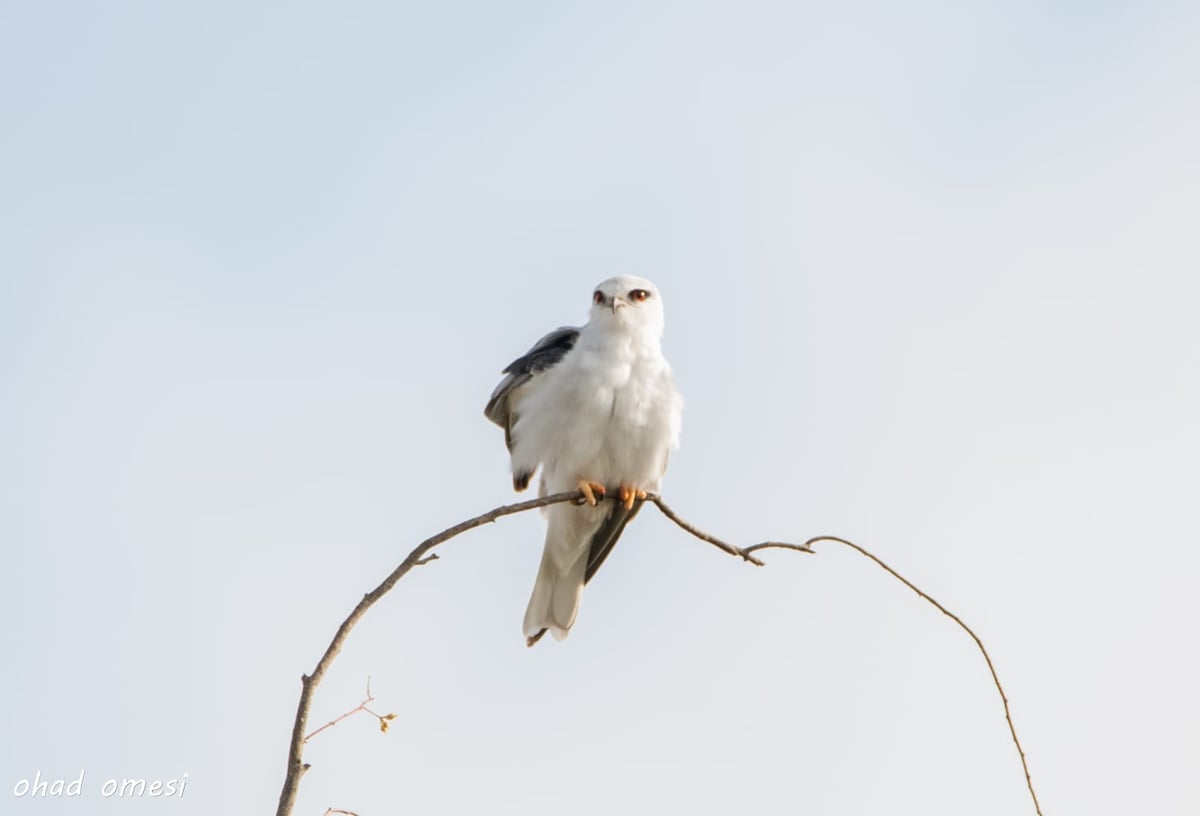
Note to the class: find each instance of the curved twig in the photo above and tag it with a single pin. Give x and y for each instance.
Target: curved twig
(807, 547)
(308, 682)
(422, 555)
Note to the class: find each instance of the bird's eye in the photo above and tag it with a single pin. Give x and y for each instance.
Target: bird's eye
(597, 297)
(638, 295)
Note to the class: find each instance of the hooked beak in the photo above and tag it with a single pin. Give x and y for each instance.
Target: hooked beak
(617, 302)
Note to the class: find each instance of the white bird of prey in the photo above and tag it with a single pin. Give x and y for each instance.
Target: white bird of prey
(594, 406)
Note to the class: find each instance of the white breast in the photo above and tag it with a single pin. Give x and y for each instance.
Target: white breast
(608, 413)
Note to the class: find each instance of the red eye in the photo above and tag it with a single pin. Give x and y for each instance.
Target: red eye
(597, 297)
(638, 295)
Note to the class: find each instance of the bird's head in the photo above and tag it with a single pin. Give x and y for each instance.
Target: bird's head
(628, 303)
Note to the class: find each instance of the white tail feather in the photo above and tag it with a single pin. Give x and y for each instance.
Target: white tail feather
(554, 602)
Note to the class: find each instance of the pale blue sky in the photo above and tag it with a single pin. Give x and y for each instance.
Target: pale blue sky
(930, 274)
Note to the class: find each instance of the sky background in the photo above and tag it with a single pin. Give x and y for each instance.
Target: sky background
(931, 283)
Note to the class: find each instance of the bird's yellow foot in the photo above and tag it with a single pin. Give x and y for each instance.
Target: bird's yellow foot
(591, 491)
(630, 494)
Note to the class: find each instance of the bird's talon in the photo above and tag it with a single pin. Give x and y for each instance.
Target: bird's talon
(631, 494)
(592, 491)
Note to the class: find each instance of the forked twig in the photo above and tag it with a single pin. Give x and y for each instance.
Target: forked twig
(384, 719)
(422, 555)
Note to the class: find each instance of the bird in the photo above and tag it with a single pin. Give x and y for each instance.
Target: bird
(595, 407)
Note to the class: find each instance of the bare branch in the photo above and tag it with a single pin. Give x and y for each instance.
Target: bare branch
(422, 555)
(703, 536)
(296, 767)
(807, 547)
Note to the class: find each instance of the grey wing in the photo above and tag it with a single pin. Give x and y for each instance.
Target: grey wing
(545, 354)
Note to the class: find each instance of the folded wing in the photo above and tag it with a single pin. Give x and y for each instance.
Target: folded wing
(503, 406)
